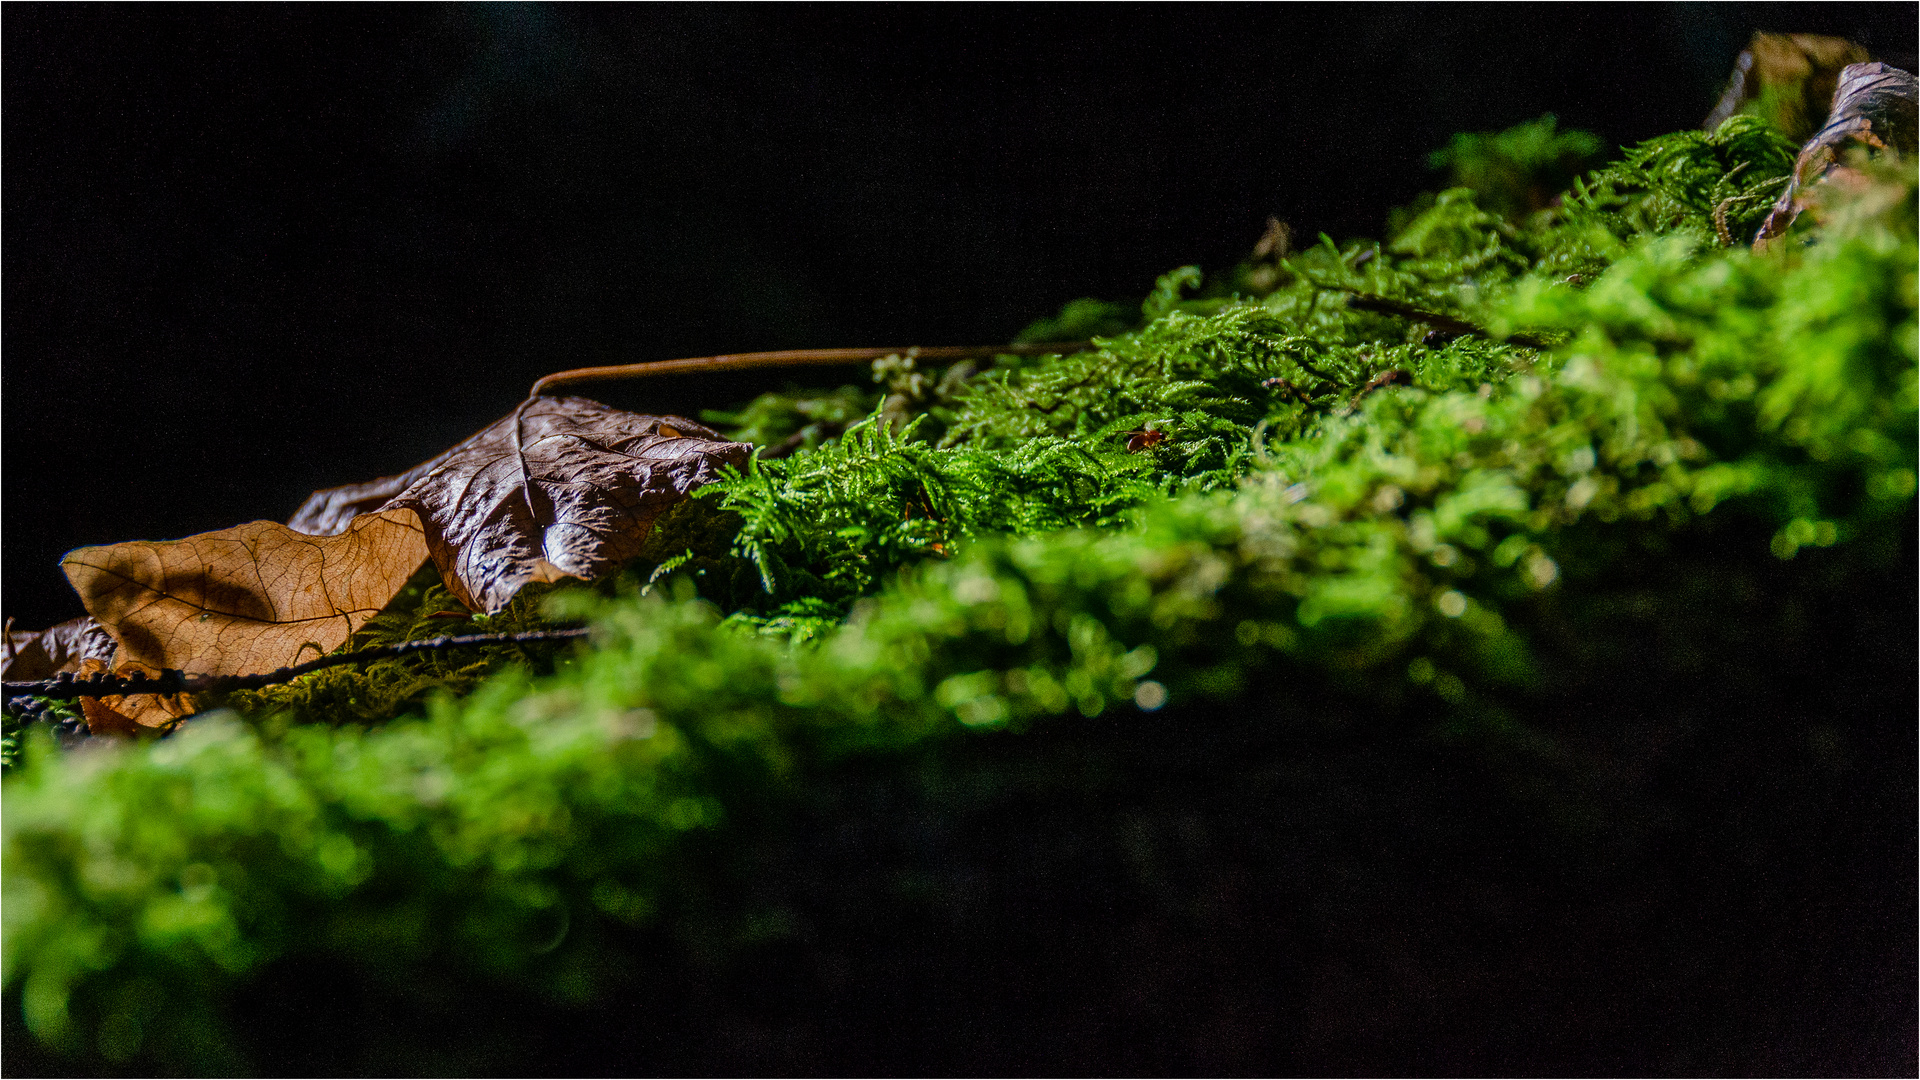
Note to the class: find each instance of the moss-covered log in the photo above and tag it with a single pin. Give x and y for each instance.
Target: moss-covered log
(1540, 709)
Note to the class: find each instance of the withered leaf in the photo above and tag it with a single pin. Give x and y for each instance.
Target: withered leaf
(32, 655)
(132, 714)
(247, 599)
(1786, 79)
(562, 487)
(84, 647)
(1874, 105)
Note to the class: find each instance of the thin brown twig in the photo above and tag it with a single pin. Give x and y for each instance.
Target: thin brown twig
(792, 358)
(66, 686)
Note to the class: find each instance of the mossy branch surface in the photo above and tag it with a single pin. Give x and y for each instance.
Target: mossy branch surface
(1457, 555)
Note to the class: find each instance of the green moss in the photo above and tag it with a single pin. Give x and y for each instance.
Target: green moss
(1717, 184)
(808, 417)
(827, 528)
(1519, 171)
(1082, 320)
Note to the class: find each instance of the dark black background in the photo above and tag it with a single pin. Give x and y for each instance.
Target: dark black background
(252, 251)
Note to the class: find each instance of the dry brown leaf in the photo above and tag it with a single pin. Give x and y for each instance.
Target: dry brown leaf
(131, 714)
(1788, 80)
(247, 599)
(84, 647)
(1874, 105)
(32, 655)
(562, 487)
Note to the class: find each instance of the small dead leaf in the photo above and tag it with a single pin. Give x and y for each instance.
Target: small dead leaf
(132, 714)
(84, 647)
(247, 599)
(1275, 242)
(1786, 79)
(562, 487)
(34, 655)
(1874, 105)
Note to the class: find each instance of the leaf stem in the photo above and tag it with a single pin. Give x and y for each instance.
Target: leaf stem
(793, 358)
